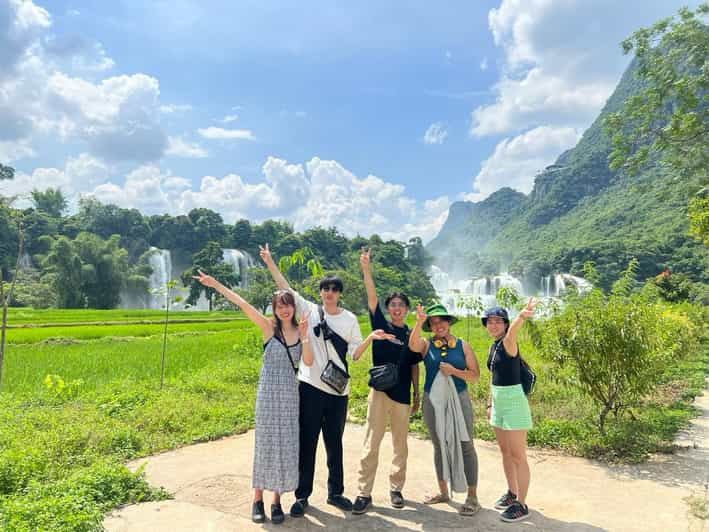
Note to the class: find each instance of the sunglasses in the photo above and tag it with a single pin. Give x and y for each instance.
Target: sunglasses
(331, 288)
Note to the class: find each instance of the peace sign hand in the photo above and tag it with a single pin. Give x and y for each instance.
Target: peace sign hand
(265, 253)
(206, 280)
(421, 315)
(303, 326)
(528, 311)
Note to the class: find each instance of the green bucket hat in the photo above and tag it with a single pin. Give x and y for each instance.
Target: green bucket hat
(437, 310)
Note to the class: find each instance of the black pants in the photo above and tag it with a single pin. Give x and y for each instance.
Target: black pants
(320, 411)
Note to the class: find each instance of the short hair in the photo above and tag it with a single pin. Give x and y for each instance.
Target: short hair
(332, 280)
(397, 295)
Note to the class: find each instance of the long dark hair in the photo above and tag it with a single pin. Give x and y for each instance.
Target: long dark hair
(284, 297)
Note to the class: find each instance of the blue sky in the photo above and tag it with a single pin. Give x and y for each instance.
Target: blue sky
(372, 117)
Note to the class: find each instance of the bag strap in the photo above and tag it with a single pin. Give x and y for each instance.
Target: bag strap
(321, 311)
(290, 357)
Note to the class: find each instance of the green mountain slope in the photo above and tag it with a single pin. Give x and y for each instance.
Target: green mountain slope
(578, 210)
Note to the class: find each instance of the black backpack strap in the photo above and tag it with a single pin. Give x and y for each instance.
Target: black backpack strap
(339, 343)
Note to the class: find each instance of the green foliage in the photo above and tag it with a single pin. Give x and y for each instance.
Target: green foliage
(669, 116)
(87, 271)
(51, 201)
(699, 216)
(615, 346)
(6, 172)
(210, 259)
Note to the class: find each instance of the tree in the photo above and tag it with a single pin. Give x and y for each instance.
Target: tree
(260, 290)
(616, 346)
(416, 254)
(699, 216)
(51, 201)
(241, 234)
(208, 225)
(5, 298)
(210, 259)
(6, 172)
(669, 118)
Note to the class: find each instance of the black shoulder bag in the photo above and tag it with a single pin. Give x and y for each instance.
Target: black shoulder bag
(386, 376)
(333, 375)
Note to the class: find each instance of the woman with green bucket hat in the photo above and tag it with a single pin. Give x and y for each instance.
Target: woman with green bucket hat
(454, 358)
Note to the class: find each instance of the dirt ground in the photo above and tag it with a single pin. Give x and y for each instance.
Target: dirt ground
(211, 483)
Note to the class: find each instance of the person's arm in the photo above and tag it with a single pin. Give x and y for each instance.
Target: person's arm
(303, 330)
(374, 335)
(416, 343)
(267, 258)
(263, 323)
(471, 373)
(364, 261)
(510, 340)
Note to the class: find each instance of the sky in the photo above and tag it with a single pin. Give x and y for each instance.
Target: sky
(372, 117)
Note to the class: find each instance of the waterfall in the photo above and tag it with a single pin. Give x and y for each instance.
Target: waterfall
(160, 261)
(240, 261)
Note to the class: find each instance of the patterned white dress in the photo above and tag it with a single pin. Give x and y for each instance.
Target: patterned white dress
(277, 400)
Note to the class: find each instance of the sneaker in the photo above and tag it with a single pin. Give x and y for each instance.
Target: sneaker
(505, 501)
(277, 516)
(516, 512)
(361, 504)
(341, 502)
(397, 499)
(298, 508)
(258, 514)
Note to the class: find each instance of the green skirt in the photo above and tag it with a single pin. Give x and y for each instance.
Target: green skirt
(510, 408)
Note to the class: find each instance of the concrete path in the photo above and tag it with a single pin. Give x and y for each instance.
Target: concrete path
(211, 483)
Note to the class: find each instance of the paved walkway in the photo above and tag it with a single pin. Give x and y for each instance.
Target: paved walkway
(211, 483)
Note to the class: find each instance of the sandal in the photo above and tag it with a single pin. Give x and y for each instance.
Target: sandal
(436, 499)
(471, 506)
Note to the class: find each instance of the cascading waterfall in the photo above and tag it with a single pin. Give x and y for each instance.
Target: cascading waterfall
(454, 293)
(240, 261)
(160, 261)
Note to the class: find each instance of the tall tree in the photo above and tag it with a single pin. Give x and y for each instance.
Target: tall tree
(50, 201)
(210, 259)
(668, 119)
(5, 298)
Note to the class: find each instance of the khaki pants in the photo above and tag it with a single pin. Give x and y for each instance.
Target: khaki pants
(380, 410)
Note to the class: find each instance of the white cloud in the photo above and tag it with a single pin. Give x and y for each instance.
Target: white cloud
(179, 147)
(435, 134)
(562, 60)
(174, 108)
(483, 64)
(226, 134)
(516, 161)
(229, 118)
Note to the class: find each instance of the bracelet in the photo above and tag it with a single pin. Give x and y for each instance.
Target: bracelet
(305, 341)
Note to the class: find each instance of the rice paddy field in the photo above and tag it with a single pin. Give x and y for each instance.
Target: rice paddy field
(81, 395)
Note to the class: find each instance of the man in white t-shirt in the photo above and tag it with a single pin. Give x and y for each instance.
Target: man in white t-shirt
(322, 408)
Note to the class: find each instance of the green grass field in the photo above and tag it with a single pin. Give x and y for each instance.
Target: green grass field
(63, 440)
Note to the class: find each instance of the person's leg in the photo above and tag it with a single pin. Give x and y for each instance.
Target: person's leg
(508, 463)
(399, 415)
(311, 414)
(517, 441)
(429, 418)
(470, 456)
(333, 427)
(376, 426)
(258, 495)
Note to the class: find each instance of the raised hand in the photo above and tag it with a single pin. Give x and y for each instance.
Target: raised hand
(206, 280)
(379, 334)
(364, 258)
(303, 326)
(528, 311)
(265, 253)
(421, 315)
